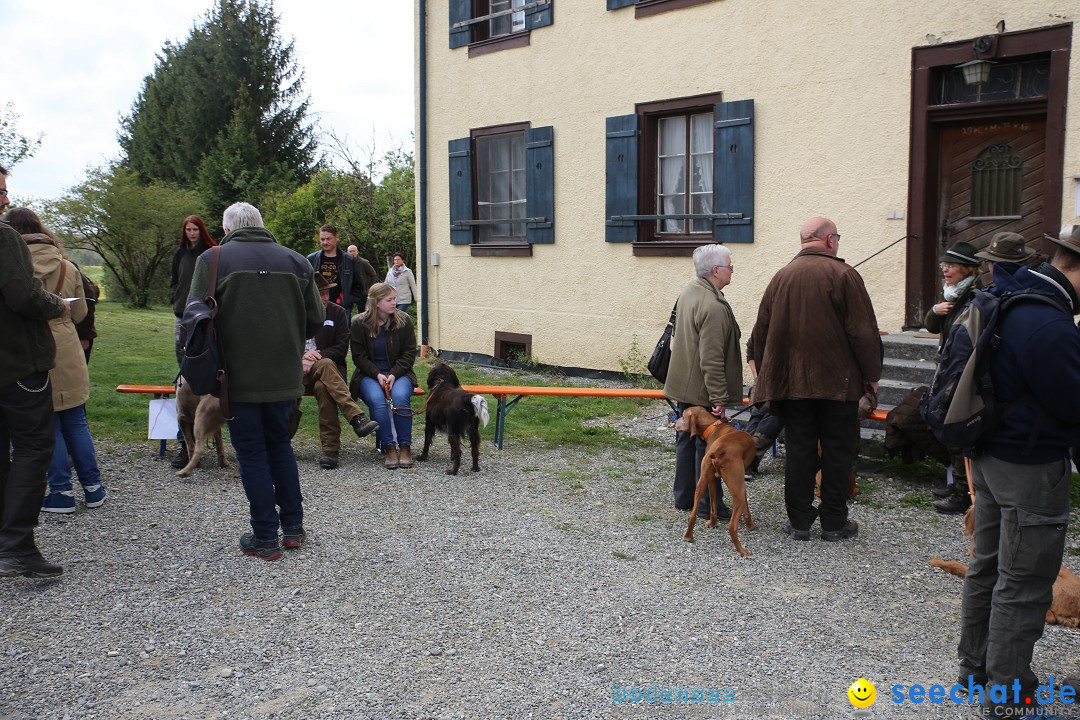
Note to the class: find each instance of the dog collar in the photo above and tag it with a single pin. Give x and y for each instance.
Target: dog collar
(708, 430)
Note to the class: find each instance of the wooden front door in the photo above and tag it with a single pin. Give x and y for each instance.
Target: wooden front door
(992, 180)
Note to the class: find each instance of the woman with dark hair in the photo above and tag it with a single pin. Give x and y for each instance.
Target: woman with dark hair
(194, 241)
(401, 279)
(383, 351)
(69, 379)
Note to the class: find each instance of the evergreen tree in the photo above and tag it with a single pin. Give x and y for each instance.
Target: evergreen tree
(224, 111)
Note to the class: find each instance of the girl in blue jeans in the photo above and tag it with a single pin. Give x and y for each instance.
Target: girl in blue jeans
(383, 351)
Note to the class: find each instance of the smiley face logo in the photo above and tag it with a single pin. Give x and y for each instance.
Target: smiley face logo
(862, 693)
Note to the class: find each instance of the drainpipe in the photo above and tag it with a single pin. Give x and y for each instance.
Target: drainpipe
(421, 172)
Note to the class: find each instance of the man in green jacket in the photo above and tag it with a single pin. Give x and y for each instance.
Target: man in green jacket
(706, 364)
(26, 410)
(267, 306)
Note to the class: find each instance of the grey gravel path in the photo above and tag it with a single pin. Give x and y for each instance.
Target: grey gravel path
(539, 588)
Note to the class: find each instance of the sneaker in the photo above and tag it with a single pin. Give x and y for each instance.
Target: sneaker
(955, 504)
(180, 459)
(850, 530)
(329, 460)
(33, 566)
(94, 495)
(294, 537)
(267, 552)
(362, 426)
(800, 535)
(59, 501)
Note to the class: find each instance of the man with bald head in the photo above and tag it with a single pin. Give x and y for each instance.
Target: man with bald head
(817, 348)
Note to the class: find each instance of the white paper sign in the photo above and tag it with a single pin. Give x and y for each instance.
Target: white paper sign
(163, 419)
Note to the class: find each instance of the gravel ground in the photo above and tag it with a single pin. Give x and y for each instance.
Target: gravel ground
(539, 588)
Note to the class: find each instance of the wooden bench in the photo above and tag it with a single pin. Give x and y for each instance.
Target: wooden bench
(166, 391)
(502, 394)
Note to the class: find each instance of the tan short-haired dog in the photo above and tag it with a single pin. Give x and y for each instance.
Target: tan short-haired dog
(727, 453)
(199, 417)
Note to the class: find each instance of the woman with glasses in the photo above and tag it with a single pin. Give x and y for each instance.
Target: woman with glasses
(959, 270)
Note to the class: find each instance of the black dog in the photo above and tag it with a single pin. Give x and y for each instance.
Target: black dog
(454, 411)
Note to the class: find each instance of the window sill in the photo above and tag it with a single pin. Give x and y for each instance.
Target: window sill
(501, 250)
(670, 248)
(503, 42)
(645, 8)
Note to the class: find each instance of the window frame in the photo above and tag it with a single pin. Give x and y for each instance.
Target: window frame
(648, 8)
(488, 132)
(649, 116)
(469, 28)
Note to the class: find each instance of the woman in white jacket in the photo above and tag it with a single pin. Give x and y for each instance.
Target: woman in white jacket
(401, 279)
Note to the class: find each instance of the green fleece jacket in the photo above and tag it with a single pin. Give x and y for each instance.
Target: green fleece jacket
(706, 362)
(25, 311)
(268, 305)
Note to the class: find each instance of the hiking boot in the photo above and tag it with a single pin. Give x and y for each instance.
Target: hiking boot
(266, 551)
(942, 492)
(293, 537)
(329, 460)
(800, 535)
(850, 530)
(723, 512)
(954, 504)
(362, 426)
(59, 501)
(94, 495)
(180, 459)
(33, 566)
(405, 456)
(391, 460)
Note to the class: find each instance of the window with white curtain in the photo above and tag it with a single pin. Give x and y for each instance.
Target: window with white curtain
(500, 186)
(506, 24)
(684, 172)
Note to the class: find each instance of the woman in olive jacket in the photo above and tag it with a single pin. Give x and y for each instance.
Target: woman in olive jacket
(383, 351)
(70, 379)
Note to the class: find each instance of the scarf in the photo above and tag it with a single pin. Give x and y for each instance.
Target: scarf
(397, 271)
(953, 292)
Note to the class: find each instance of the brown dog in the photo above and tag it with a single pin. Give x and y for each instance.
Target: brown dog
(1064, 608)
(199, 417)
(727, 453)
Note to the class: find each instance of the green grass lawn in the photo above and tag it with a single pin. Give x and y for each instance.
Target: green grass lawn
(136, 347)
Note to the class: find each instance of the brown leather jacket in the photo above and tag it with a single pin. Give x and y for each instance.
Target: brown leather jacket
(816, 335)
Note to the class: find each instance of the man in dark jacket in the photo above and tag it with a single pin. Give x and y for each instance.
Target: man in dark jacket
(267, 305)
(817, 348)
(324, 375)
(26, 410)
(352, 275)
(1022, 479)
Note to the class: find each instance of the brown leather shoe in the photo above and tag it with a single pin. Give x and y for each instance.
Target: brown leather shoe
(391, 460)
(405, 457)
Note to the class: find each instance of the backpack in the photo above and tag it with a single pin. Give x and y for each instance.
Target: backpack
(203, 363)
(960, 407)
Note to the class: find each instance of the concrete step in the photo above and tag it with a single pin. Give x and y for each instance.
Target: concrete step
(908, 346)
(899, 369)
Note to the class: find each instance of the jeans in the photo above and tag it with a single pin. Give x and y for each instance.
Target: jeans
(260, 436)
(372, 394)
(403, 307)
(835, 425)
(26, 432)
(689, 452)
(74, 445)
(1021, 517)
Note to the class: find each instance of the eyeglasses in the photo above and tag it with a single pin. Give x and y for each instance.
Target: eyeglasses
(3, 192)
(730, 266)
(833, 235)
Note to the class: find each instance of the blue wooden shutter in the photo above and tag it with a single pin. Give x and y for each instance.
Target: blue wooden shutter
(461, 200)
(460, 11)
(540, 183)
(616, 4)
(733, 170)
(539, 16)
(622, 176)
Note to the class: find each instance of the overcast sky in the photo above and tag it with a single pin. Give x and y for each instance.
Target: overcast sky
(73, 67)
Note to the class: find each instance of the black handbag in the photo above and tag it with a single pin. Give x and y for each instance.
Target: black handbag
(661, 354)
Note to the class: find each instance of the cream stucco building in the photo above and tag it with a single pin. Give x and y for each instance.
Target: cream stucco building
(586, 119)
